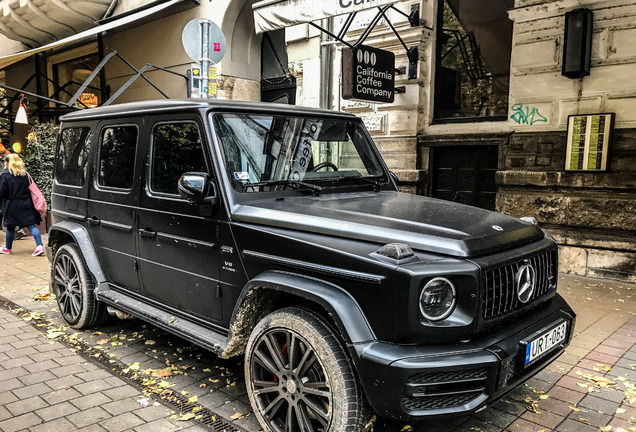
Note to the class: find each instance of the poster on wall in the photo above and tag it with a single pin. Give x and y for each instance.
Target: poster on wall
(588, 142)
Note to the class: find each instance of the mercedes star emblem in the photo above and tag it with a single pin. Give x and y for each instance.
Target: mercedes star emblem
(525, 280)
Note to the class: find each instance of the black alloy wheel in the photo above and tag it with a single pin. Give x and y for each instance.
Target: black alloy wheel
(73, 287)
(299, 377)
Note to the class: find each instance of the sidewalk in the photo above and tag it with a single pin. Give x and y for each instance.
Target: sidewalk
(591, 387)
(47, 387)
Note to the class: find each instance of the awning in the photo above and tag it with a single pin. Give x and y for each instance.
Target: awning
(13, 58)
(276, 14)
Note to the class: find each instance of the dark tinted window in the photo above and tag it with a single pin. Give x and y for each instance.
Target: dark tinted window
(72, 156)
(117, 157)
(176, 149)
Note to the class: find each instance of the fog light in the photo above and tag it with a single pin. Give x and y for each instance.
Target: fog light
(438, 299)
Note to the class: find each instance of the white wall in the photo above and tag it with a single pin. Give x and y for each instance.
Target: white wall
(537, 86)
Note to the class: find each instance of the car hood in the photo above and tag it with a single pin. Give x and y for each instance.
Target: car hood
(424, 223)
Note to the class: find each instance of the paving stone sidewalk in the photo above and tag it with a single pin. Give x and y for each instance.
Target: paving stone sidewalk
(589, 388)
(47, 387)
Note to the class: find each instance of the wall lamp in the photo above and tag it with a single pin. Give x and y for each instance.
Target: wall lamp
(21, 116)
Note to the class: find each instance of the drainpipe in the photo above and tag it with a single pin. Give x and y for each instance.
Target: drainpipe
(326, 67)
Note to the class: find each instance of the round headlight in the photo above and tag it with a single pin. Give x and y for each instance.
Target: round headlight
(438, 299)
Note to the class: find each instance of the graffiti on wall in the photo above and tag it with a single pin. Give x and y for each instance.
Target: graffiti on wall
(524, 114)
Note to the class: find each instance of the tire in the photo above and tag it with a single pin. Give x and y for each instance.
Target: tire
(318, 393)
(73, 287)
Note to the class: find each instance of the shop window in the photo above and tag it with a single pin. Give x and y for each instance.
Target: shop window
(474, 43)
(177, 149)
(69, 70)
(277, 84)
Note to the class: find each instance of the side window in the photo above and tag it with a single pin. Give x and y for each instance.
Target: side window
(176, 149)
(117, 157)
(72, 156)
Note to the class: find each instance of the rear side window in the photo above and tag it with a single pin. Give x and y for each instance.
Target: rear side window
(117, 157)
(72, 156)
(176, 149)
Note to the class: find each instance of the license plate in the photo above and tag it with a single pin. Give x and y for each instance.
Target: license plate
(545, 342)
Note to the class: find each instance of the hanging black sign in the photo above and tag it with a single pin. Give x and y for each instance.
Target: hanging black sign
(368, 74)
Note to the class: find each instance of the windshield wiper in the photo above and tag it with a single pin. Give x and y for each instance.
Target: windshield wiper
(315, 189)
(376, 184)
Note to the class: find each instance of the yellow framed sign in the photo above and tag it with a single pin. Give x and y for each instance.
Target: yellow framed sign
(588, 142)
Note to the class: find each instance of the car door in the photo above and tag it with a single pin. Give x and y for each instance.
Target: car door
(113, 199)
(178, 250)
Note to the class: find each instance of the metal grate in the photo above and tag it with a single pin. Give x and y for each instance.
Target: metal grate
(448, 376)
(439, 402)
(499, 292)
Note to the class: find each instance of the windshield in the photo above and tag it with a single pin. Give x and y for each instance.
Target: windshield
(264, 152)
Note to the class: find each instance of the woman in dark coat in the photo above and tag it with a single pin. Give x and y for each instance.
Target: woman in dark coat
(18, 209)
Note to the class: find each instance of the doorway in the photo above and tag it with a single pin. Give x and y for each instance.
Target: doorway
(465, 174)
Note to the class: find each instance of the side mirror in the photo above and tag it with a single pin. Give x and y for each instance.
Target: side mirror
(197, 188)
(193, 186)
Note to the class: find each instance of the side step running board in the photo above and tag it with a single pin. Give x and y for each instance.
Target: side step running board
(195, 333)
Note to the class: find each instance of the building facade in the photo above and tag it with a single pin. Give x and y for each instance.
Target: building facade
(484, 116)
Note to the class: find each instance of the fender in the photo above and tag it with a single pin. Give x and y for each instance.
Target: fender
(80, 235)
(342, 307)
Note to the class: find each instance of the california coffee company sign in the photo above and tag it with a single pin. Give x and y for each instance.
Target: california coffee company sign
(368, 74)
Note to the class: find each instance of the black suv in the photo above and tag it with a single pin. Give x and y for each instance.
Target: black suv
(278, 233)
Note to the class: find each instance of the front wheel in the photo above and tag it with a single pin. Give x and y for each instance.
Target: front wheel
(73, 287)
(299, 377)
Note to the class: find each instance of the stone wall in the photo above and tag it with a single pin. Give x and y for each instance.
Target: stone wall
(591, 215)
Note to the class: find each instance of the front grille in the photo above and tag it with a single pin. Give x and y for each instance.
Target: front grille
(438, 402)
(499, 295)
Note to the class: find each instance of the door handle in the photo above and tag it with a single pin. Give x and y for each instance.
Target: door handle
(93, 221)
(146, 233)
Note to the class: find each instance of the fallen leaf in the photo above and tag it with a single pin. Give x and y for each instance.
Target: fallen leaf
(149, 342)
(161, 373)
(606, 428)
(185, 417)
(193, 399)
(574, 408)
(620, 410)
(236, 415)
(406, 428)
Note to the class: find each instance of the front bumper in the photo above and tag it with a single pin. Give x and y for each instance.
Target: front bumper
(424, 381)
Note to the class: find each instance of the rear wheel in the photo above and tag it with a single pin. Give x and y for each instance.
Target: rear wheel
(299, 377)
(73, 287)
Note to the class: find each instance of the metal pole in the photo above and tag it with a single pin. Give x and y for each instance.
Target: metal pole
(204, 60)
